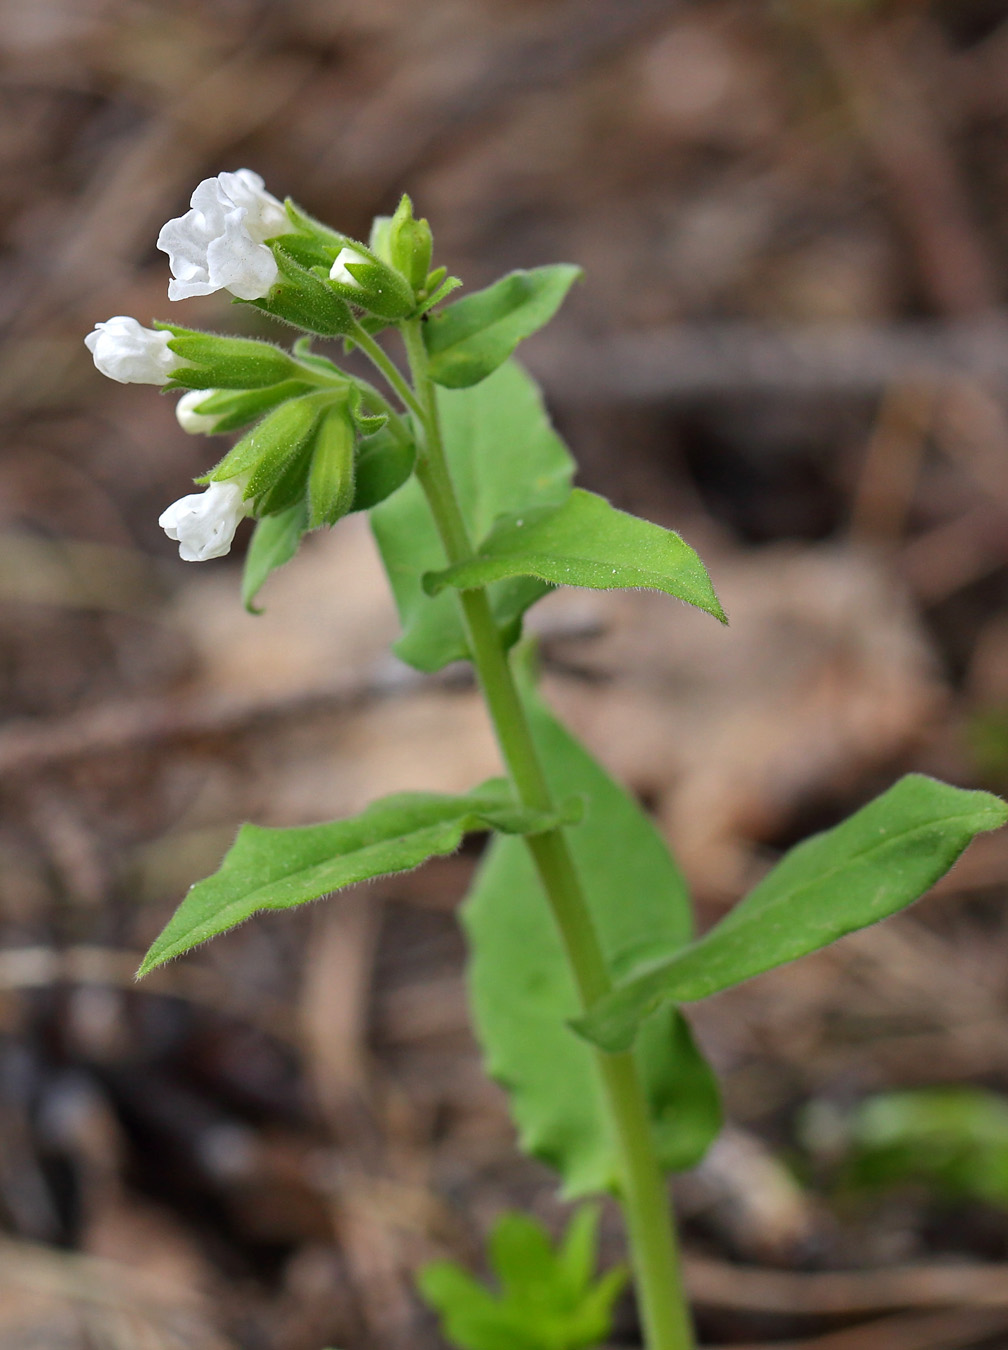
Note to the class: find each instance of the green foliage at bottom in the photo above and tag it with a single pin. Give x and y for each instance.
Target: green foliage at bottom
(952, 1141)
(549, 1297)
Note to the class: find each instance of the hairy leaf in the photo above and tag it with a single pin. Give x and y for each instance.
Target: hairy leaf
(585, 542)
(503, 454)
(280, 868)
(383, 465)
(876, 862)
(468, 341)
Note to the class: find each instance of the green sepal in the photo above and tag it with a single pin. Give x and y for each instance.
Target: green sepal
(366, 423)
(309, 251)
(440, 291)
(234, 409)
(301, 298)
(225, 362)
(523, 995)
(331, 476)
(472, 337)
(585, 542)
(305, 224)
(550, 1298)
(274, 542)
(384, 462)
(410, 244)
(280, 868)
(877, 861)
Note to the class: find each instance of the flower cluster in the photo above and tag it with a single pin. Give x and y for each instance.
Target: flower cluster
(301, 454)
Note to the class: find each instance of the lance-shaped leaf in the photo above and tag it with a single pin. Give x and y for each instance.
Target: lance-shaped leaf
(279, 868)
(876, 862)
(585, 542)
(523, 995)
(468, 341)
(504, 455)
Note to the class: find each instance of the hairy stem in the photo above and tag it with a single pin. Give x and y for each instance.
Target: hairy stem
(644, 1194)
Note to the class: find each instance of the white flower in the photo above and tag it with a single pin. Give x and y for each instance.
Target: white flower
(219, 244)
(126, 351)
(338, 271)
(196, 423)
(204, 523)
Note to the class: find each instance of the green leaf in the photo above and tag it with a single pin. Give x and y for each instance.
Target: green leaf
(468, 341)
(504, 456)
(383, 464)
(523, 996)
(951, 1139)
(279, 868)
(547, 1301)
(274, 542)
(876, 862)
(585, 542)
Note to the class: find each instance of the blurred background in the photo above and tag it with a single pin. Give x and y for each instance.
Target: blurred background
(790, 344)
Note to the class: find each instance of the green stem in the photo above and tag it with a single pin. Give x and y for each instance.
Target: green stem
(644, 1194)
(377, 355)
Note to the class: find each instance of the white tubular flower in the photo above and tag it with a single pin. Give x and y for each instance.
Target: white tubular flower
(204, 523)
(219, 244)
(338, 271)
(126, 351)
(196, 423)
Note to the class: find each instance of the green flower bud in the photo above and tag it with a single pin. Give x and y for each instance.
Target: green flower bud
(301, 297)
(271, 456)
(410, 244)
(366, 281)
(379, 242)
(215, 411)
(214, 362)
(331, 476)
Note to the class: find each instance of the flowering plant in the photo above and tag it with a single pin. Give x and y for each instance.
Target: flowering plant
(579, 922)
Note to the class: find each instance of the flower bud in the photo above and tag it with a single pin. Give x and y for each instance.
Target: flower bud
(365, 280)
(212, 412)
(209, 361)
(274, 456)
(189, 416)
(220, 243)
(126, 351)
(204, 523)
(304, 298)
(338, 271)
(410, 244)
(331, 476)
